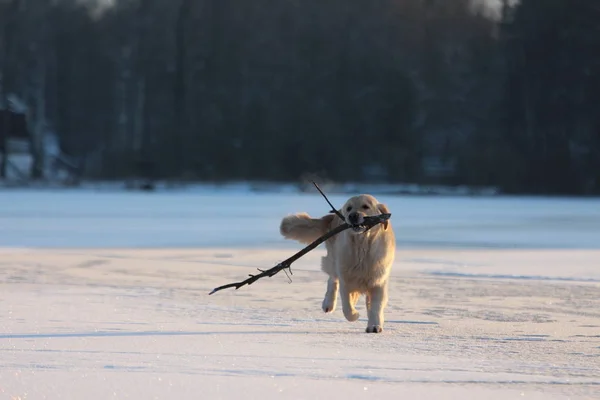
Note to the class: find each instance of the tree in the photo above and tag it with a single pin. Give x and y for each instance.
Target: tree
(8, 11)
(552, 58)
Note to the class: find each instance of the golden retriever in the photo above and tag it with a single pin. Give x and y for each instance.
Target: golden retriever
(357, 261)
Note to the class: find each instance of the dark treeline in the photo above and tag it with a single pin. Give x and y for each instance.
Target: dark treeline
(420, 91)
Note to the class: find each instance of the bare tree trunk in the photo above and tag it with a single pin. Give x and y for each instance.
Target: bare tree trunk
(123, 100)
(179, 92)
(140, 50)
(4, 122)
(5, 127)
(5, 48)
(4, 143)
(37, 89)
(138, 116)
(38, 125)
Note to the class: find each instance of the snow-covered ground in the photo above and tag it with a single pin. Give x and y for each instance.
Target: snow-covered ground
(105, 295)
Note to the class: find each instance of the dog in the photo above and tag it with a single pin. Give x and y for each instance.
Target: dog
(358, 261)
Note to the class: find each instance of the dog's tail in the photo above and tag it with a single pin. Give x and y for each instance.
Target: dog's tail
(303, 228)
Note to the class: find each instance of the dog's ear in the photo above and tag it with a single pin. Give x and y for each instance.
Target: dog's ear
(384, 210)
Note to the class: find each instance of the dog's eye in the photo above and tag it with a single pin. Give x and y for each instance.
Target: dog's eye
(348, 208)
(365, 207)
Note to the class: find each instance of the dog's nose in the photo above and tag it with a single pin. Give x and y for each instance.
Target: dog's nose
(353, 217)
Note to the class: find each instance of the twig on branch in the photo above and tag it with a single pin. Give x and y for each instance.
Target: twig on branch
(333, 209)
(368, 223)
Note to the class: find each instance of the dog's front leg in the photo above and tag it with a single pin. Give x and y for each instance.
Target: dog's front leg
(348, 302)
(378, 301)
(330, 299)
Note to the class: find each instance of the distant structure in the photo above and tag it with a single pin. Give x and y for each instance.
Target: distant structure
(12, 126)
(14, 143)
(16, 158)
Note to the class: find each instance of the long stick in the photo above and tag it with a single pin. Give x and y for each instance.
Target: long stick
(369, 222)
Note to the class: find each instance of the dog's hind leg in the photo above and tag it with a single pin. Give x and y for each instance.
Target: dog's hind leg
(354, 296)
(349, 300)
(378, 301)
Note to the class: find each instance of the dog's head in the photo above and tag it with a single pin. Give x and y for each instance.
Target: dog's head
(358, 207)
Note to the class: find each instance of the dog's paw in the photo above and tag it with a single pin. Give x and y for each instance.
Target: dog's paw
(328, 306)
(374, 329)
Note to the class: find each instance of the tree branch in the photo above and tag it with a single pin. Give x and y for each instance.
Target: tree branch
(368, 223)
(333, 209)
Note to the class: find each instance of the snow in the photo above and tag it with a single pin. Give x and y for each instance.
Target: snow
(104, 294)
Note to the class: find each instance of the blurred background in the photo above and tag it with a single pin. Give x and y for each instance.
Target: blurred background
(478, 93)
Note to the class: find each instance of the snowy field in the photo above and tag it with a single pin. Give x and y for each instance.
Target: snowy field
(104, 295)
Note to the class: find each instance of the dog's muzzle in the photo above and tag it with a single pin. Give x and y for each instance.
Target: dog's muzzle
(355, 219)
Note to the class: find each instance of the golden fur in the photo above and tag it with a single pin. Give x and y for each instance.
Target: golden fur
(357, 262)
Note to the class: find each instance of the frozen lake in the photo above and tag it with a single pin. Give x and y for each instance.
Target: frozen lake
(122, 219)
(105, 296)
